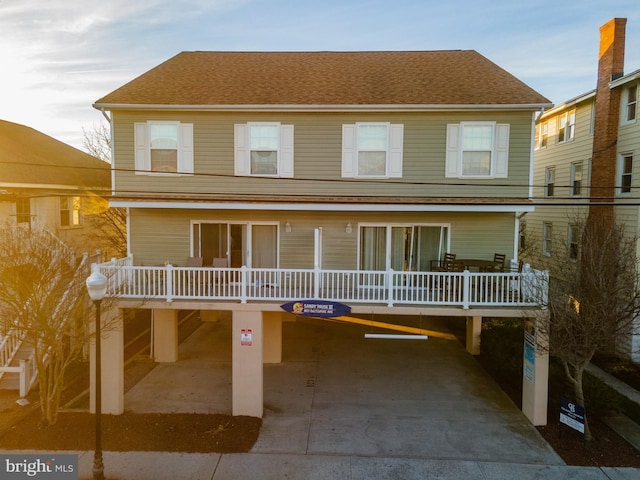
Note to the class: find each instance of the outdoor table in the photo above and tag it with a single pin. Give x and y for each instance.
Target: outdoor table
(481, 265)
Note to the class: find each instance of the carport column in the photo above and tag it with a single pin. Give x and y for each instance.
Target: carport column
(165, 335)
(112, 365)
(535, 370)
(247, 372)
(474, 328)
(272, 345)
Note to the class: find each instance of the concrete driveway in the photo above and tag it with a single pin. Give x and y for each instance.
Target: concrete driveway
(337, 393)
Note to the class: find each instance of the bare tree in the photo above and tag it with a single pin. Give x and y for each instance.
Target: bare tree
(42, 298)
(97, 141)
(109, 223)
(593, 295)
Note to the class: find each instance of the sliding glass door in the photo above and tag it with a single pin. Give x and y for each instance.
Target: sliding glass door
(252, 245)
(404, 248)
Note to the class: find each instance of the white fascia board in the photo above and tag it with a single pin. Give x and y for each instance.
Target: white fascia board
(316, 108)
(568, 104)
(629, 77)
(324, 207)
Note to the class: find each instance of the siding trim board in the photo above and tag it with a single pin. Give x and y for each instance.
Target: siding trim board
(463, 207)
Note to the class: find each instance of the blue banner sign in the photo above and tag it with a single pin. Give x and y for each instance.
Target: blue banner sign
(317, 308)
(572, 415)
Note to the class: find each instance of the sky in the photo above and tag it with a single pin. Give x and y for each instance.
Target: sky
(59, 56)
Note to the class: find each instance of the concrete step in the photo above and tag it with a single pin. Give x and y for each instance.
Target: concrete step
(625, 427)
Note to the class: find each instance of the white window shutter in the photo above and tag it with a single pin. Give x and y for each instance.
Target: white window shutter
(141, 145)
(349, 152)
(186, 148)
(286, 151)
(396, 141)
(241, 150)
(453, 140)
(501, 151)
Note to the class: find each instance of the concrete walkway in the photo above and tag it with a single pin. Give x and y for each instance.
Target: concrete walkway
(343, 407)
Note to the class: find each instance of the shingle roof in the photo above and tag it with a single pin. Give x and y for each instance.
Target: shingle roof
(28, 156)
(439, 78)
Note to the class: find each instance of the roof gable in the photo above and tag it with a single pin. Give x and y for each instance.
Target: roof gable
(428, 78)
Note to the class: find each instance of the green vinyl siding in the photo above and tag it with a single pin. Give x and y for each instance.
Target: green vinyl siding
(318, 156)
(164, 235)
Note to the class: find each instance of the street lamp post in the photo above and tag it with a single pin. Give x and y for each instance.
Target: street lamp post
(97, 288)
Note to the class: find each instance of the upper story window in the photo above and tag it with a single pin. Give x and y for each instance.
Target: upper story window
(566, 126)
(263, 149)
(372, 150)
(625, 169)
(549, 181)
(70, 211)
(542, 131)
(477, 150)
(573, 237)
(631, 103)
(576, 179)
(23, 210)
(163, 147)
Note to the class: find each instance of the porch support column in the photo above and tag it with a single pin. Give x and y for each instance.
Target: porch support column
(474, 328)
(535, 371)
(247, 372)
(112, 364)
(272, 345)
(165, 335)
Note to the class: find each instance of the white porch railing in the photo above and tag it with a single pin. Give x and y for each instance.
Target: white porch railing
(9, 346)
(462, 289)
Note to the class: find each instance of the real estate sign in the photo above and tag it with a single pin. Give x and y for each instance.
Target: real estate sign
(572, 415)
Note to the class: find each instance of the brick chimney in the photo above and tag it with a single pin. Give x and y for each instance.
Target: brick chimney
(607, 108)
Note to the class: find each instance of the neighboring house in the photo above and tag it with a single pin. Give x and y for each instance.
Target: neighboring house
(46, 183)
(342, 176)
(586, 153)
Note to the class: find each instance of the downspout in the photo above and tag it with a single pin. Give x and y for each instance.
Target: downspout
(110, 121)
(516, 235)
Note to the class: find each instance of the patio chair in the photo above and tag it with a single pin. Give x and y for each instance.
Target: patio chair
(449, 263)
(498, 260)
(194, 262)
(220, 262)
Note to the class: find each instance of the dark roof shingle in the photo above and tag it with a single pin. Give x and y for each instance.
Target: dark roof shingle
(28, 156)
(439, 78)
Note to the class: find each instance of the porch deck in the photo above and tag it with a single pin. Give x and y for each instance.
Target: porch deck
(462, 289)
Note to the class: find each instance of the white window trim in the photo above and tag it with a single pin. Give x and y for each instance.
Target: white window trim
(69, 211)
(499, 150)
(620, 173)
(569, 126)
(544, 134)
(242, 150)
(573, 177)
(142, 154)
(395, 147)
(626, 103)
(547, 171)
